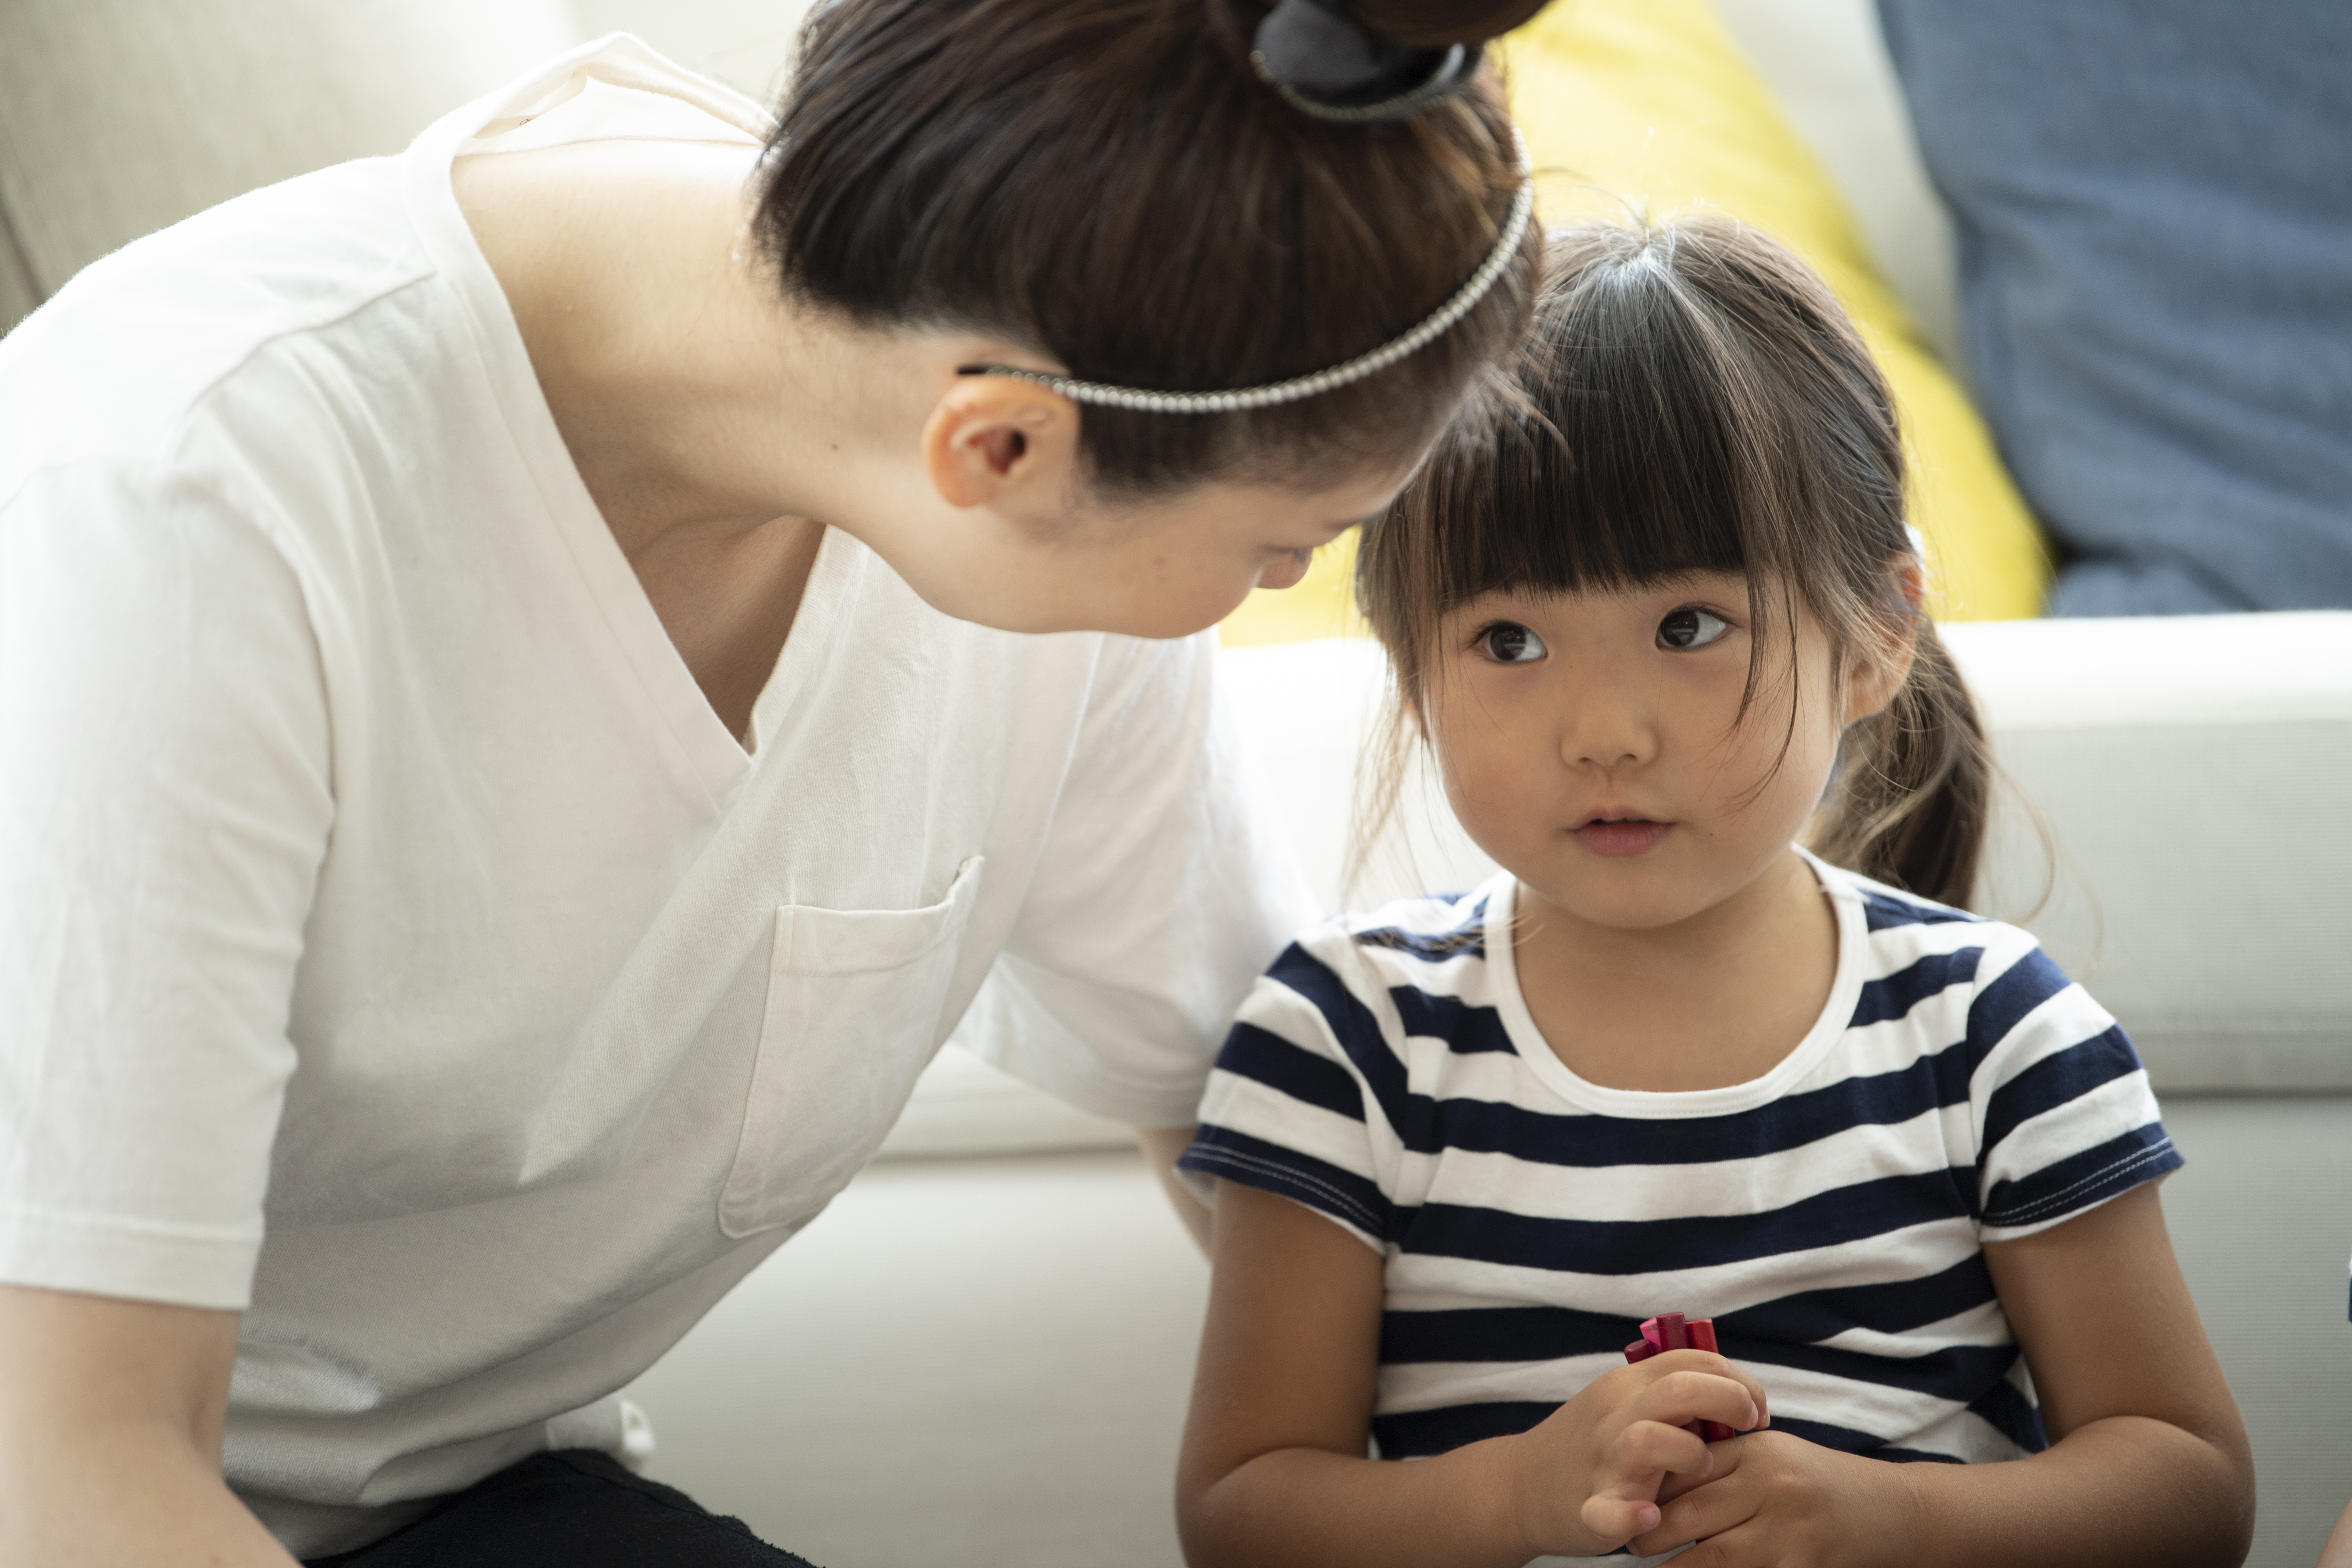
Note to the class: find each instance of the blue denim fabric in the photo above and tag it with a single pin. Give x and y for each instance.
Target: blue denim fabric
(2154, 204)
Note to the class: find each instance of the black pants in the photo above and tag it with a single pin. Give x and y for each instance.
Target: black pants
(573, 1510)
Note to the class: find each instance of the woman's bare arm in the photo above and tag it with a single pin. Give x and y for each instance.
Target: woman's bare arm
(110, 1417)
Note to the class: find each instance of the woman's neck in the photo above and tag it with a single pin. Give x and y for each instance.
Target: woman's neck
(1717, 999)
(718, 426)
(690, 392)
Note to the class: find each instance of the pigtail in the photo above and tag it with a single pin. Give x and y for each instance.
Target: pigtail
(1914, 786)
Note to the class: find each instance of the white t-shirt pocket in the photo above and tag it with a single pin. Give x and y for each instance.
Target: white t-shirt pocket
(855, 998)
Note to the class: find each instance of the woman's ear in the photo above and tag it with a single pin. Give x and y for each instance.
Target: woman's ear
(1007, 445)
(1879, 671)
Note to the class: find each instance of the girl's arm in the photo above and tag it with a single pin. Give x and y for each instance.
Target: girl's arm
(2149, 1464)
(1162, 1147)
(1274, 1469)
(2338, 1553)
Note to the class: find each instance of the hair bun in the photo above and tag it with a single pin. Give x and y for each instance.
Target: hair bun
(1328, 63)
(1433, 24)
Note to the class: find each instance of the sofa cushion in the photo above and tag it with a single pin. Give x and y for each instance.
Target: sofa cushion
(2192, 771)
(2153, 219)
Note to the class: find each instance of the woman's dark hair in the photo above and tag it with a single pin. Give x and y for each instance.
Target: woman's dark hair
(1692, 399)
(1432, 22)
(1108, 183)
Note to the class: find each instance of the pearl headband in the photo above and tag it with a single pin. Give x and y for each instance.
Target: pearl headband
(1243, 398)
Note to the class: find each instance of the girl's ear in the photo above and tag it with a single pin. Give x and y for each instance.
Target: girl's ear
(1879, 670)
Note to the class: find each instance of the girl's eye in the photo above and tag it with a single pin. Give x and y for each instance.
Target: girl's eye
(1507, 642)
(1691, 628)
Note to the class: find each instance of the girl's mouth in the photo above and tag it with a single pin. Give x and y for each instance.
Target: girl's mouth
(1621, 837)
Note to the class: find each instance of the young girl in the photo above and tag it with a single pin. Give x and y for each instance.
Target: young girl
(1658, 615)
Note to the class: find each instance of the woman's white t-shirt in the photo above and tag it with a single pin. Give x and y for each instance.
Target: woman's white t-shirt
(394, 945)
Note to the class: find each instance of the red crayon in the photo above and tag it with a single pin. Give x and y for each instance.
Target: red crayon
(1673, 1331)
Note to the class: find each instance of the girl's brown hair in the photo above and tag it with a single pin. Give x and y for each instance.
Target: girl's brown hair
(1108, 183)
(1692, 399)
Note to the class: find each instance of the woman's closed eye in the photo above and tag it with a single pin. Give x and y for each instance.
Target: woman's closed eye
(1507, 642)
(1690, 628)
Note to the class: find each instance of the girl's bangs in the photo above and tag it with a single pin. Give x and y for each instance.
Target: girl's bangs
(1637, 453)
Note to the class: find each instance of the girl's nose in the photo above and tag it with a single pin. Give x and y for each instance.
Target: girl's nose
(1611, 727)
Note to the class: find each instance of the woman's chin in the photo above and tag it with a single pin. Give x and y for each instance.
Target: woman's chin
(1287, 572)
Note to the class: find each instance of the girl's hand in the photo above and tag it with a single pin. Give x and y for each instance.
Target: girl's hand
(1585, 1479)
(1778, 1502)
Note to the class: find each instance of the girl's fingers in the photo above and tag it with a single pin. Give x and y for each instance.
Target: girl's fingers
(1755, 1392)
(1704, 1513)
(1616, 1520)
(1652, 1449)
(1708, 1361)
(1721, 1462)
(1623, 1503)
(1729, 1396)
(1740, 1375)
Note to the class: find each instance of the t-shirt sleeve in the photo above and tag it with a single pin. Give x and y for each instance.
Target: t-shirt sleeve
(2064, 1116)
(164, 807)
(1302, 1100)
(1165, 885)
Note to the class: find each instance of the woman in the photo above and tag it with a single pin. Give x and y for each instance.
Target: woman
(520, 743)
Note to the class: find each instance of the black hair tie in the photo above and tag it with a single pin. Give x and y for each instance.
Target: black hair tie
(1326, 63)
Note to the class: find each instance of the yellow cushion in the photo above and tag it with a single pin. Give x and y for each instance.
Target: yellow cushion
(1649, 103)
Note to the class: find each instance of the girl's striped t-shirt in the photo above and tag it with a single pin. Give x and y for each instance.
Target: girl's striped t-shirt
(1830, 1216)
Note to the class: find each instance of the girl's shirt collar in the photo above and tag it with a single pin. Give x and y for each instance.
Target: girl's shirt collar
(1501, 895)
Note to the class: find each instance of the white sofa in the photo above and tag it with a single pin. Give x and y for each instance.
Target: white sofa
(978, 1357)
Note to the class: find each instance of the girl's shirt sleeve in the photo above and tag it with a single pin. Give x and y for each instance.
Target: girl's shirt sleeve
(2063, 1115)
(1308, 1090)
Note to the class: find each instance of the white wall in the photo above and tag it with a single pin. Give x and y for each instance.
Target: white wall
(744, 43)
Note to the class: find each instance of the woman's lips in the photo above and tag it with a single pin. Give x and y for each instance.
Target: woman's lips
(1620, 839)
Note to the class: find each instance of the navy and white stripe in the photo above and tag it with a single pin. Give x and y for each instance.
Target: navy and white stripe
(1830, 1216)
